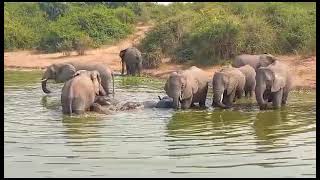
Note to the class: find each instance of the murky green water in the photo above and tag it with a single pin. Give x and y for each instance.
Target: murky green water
(244, 142)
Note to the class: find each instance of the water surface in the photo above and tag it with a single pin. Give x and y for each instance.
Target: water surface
(242, 142)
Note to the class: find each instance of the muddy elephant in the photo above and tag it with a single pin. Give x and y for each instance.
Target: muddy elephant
(254, 61)
(79, 93)
(228, 84)
(187, 87)
(132, 59)
(62, 72)
(273, 84)
(250, 75)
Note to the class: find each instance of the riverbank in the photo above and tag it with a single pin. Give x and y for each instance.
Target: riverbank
(303, 68)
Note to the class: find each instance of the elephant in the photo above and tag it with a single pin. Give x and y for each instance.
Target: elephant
(187, 87)
(227, 84)
(273, 84)
(79, 93)
(250, 75)
(62, 72)
(254, 61)
(165, 102)
(132, 59)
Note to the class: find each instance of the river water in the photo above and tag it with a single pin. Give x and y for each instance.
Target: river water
(241, 142)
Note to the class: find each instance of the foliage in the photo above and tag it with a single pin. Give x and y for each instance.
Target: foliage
(64, 27)
(213, 33)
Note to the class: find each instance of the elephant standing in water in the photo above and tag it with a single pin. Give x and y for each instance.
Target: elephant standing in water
(187, 87)
(132, 59)
(62, 72)
(79, 93)
(250, 75)
(228, 84)
(273, 84)
(254, 61)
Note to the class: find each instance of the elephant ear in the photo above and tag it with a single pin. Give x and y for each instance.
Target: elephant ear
(230, 83)
(188, 87)
(66, 72)
(95, 77)
(278, 83)
(122, 53)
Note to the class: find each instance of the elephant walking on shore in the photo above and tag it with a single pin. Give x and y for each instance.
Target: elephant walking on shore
(62, 72)
(273, 84)
(132, 59)
(187, 87)
(228, 84)
(79, 93)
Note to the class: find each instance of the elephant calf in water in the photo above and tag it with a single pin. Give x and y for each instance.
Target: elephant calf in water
(79, 93)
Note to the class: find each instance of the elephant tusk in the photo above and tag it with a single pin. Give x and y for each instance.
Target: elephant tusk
(43, 80)
(221, 98)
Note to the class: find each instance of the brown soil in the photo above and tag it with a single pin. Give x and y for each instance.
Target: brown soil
(303, 68)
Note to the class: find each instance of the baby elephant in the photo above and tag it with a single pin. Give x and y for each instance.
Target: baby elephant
(79, 93)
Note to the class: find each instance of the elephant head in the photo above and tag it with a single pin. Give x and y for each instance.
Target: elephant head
(59, 72)
(268, 82)
(96, 79)
(266, 59)
(223, 84)
(180, 88)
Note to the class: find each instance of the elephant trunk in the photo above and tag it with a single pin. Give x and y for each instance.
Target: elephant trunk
(44, 84)
(176, 102)
(259, 91)
(217, 99)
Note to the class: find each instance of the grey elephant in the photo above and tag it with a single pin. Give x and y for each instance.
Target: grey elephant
(62, 72)
(132, 59)
(187, 87)
(254, 61)
(164, 102)
(228, 84)
(250, 75)
(79, 93)
(273, 84)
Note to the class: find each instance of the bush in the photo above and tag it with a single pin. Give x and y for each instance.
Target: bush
(63, 27)
(82, 44)
(213, 33)
(152, 59)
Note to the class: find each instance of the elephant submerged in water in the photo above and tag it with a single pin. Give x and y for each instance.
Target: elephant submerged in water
(132, 59)
(62, 72)
(273, 85)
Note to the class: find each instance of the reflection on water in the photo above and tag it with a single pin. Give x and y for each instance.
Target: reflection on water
(41, 142)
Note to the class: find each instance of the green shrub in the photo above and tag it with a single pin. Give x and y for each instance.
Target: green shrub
(82, 44)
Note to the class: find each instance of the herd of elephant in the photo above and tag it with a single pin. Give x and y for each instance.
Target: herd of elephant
(87, 86)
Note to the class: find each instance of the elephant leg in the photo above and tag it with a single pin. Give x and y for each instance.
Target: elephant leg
(277, 99)
(285, 97)
(128, 69)
(186, 103)
(139, 68)
(230, 98)
(202, 102)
